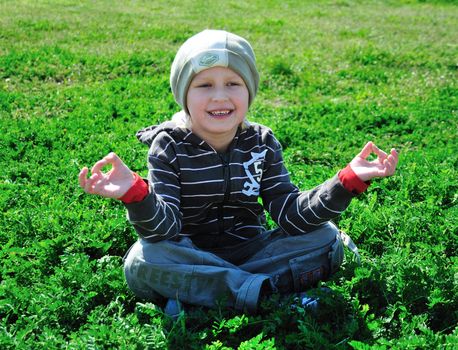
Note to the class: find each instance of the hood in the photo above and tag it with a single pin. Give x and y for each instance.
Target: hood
(175, 128)
(147, 135)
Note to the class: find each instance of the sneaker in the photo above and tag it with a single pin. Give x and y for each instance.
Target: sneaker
(307, 301)
(173, 309)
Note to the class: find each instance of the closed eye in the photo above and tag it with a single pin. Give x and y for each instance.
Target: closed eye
(234, 83)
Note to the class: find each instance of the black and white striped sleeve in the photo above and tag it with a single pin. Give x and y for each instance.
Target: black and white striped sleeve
(158, 216)
(294, 211)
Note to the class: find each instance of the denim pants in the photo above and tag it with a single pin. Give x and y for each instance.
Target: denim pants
(179, 270)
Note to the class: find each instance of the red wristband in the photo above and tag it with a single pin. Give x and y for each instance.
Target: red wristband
(137, 192)
(351, 181)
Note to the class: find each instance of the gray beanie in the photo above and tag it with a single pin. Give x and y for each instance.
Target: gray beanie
(212, 48)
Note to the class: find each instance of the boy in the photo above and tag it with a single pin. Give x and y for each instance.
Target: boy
(198, 216)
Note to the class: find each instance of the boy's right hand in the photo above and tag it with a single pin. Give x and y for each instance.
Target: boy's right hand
(112, 184)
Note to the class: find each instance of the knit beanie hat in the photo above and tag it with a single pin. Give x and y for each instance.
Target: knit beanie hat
(212, 48)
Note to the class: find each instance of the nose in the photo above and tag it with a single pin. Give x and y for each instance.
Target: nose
(219, 94)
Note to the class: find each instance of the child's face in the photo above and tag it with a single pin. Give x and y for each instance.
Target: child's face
(217, 101)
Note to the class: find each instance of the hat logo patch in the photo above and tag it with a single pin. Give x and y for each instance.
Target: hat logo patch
(208, 59)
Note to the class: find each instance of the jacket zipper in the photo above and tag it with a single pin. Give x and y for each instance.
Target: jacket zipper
(225, 158)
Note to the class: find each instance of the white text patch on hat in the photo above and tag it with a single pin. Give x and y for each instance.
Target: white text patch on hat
(209, 58)
(208, 50)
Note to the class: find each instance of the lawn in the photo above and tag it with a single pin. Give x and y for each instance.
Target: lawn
(78, 79)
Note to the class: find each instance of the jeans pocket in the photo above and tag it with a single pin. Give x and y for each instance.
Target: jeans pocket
(310, 268)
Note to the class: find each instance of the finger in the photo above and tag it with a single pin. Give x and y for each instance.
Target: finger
(90, 183)
(82, 177)
(114, 159)
(395, 154)
(111, 158)
(380, 154)
(366, 151)
(388, 167)
(97, 168)
(383, 170)
(392, 162)
(98, 187)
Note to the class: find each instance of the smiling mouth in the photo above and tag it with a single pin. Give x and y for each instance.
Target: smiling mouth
(220, 113)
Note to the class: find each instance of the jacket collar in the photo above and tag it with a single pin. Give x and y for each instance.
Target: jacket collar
(147, 135)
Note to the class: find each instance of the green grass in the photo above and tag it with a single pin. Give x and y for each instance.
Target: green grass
(77, 80)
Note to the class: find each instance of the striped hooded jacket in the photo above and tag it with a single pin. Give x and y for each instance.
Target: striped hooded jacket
(218, 200)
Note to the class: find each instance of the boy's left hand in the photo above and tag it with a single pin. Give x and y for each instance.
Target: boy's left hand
(383, 166)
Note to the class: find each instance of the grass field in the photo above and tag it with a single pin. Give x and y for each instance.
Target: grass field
(78, 79)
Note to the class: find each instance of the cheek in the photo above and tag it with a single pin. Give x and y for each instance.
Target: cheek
(246, 97)
(244, 100)
(194, 102)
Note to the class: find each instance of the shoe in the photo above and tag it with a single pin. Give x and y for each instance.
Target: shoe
(173, 309)
(307, 301)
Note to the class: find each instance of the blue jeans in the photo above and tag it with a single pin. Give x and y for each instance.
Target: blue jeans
(179, 270)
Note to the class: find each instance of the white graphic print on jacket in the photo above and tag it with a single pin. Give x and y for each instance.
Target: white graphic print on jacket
(252, 186)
